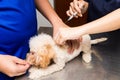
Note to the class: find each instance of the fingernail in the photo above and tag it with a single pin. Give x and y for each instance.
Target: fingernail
(81, 15)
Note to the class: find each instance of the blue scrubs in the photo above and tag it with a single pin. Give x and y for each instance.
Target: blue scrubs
(99, 8)
(17, 24)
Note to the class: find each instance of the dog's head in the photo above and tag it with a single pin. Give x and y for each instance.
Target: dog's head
(41, 50)
(42, 57)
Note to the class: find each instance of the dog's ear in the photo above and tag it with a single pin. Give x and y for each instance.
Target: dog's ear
(51, 52)
(44, 56)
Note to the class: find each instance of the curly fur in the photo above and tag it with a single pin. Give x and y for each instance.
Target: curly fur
(43, 49)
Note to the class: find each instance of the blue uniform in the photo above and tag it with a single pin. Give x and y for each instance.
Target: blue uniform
(17, 24)
(99, 8)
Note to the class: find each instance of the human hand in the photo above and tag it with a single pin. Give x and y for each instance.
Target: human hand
(12, 66)
(79, 6)
(57, 27)
(65, 34)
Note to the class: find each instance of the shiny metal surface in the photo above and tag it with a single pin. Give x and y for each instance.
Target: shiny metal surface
(105, 65)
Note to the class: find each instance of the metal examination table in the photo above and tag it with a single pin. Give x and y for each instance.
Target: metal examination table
(105, 65)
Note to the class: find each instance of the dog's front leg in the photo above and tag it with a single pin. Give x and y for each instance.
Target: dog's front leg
(53, 68)
(37, 73)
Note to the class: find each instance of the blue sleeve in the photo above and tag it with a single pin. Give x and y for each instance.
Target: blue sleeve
(111, 5)
(103, 6)
(99, 8)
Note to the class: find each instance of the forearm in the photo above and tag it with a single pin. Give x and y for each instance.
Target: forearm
(46, 9)
(107, 23)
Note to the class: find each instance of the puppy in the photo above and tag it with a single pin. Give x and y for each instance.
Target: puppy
(43, 49)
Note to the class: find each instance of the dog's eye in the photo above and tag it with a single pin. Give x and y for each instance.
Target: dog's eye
(32, 53)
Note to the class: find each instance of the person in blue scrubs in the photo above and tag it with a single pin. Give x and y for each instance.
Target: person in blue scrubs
(103, 18)
(17, 24)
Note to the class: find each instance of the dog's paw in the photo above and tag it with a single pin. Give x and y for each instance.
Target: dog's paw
(87, 58)
(37, 73)
(32, 69)
(33, 75)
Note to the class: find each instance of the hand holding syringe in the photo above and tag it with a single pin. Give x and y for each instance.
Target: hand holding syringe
(72, 16)
(77, 8)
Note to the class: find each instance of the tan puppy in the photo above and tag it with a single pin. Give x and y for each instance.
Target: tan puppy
(43, 49)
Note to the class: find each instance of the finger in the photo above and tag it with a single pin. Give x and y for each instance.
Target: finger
(72, 7)
(68, 13)
(19, 61)
(83, 7)
(80, 7)
(18, 74)
(71, 11)
(80, 4)
(76, 7)
(75, 1)
(76, 16)
(22, 68)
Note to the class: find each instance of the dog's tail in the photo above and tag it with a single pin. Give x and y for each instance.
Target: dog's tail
(95, 41)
